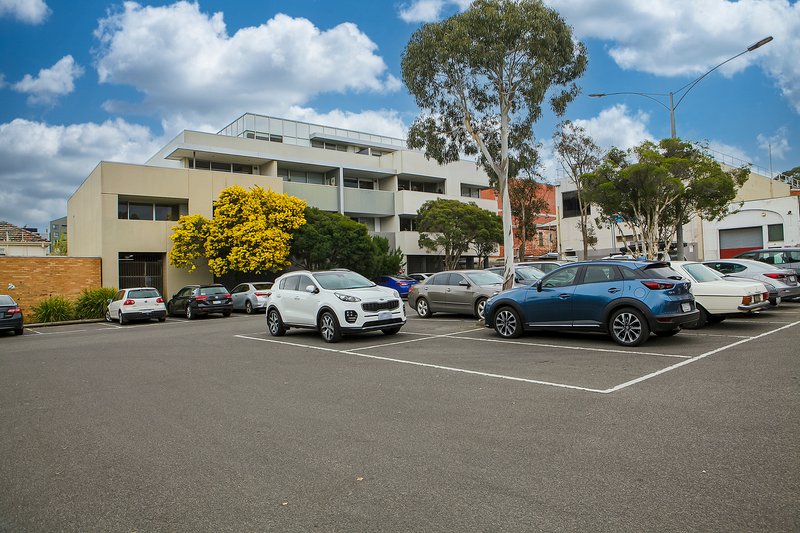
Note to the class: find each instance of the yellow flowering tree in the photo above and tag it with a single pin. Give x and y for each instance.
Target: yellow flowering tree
(251, 231)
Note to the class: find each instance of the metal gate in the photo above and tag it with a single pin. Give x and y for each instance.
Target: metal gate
(141, 270)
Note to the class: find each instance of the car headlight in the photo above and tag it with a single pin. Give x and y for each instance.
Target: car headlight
(346, 297)
(396, 294)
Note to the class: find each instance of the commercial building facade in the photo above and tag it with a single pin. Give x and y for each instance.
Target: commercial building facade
(124, 213)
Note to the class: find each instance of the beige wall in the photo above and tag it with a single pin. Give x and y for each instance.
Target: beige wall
(95, 229)
(759, 187)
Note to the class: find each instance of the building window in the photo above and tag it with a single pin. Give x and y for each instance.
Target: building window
(137, 211)
(541, 238)
(408, 224)
(775, 232)
(470, 192)
(571, 206)
(422, 186)
(151, 210)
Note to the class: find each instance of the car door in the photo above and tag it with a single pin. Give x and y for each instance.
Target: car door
(239, 295)
(599, 286)
(181, 300)
(285, 299)
(459, 294)
(305, 303)
(434, 290)
(552, 305)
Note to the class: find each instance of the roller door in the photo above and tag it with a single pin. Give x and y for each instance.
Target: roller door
(735, 241)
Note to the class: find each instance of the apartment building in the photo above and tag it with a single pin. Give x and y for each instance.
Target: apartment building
(124, 212)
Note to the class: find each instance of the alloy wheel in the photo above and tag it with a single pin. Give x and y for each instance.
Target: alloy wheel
(627, 327)
(505, 323)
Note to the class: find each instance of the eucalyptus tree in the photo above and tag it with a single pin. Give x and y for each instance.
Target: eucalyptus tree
(480, 78)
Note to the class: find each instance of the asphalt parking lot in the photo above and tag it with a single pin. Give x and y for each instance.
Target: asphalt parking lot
(214, 425)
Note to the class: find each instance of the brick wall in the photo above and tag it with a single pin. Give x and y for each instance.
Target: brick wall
(36, 278)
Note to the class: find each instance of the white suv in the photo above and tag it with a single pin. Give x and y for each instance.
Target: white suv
(333, 302)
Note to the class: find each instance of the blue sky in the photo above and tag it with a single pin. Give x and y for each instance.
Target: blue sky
(86, 81)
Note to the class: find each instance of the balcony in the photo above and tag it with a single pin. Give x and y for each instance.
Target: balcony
(409, 202)
(325, 197)
(369, 202)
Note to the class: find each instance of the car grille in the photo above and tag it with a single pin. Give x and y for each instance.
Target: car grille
(380, 306)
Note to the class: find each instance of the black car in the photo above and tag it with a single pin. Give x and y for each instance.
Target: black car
(194, 300)
(10, 315)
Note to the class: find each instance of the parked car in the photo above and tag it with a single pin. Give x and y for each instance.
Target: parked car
(251, 297)
(10, 315)
(626, 299)
(777, 257)
(420, 276)
(523, 275)
(195, 300)
(138, 303)
(334, 302)
(454, 291)
(544, 266)
(781, 283)
(716, 297)
(399, 283)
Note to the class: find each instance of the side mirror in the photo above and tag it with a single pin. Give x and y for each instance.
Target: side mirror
(538, 285)
(463, 283)
(311, 289)
(109, 300)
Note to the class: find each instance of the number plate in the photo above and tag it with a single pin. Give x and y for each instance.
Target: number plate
(793, 278)
(385, 315)
(686, 307)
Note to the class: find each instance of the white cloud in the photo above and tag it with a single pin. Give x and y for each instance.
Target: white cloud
(777, 143)
(614, 126)
(429, 10)
(687, 38)
(51, 83)
(30, 11)
(190, 70)
(44, 164)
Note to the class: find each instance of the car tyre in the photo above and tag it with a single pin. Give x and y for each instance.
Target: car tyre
(702, 320)
(19, 331)
(108, 316)
(628, 327)
(226, 313)
(329, 327)
(162, 319)
(121, 318)
(715, 319)
(275, 323)
(390, 331)
(190, 315)
(248, 307)
(480, 305)
(423, 308)
(507, 323)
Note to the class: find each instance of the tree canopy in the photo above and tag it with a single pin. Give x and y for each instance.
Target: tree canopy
(480, 78)
(654, 187)
(527, 203)
(251, 231)
(331, 240)
(450, 227)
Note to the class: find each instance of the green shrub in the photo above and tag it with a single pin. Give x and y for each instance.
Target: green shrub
(53, 309)
(92, 302)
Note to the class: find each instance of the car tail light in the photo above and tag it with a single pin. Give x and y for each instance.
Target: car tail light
(129, 302)
(402, 283)
(200, 297)
(765, 296)
(159, 300)
(14, 310)
(775, 275)
(228, 296)
(263, 294)
(747, 300)
(658, 285)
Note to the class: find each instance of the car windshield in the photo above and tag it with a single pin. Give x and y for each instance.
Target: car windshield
(262, 286)
(342, 280)
(701, 273)
(484, 278)
(660, 270)
(6, 300)
(143, 293)
(213, 290)
(530, 273)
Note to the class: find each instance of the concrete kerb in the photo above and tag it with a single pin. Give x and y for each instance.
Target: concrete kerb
(64, 323)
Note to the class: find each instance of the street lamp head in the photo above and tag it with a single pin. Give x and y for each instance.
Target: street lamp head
(597, 95)
(759, 44)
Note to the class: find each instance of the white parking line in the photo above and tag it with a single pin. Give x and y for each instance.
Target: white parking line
(427, 365)
(693, 359)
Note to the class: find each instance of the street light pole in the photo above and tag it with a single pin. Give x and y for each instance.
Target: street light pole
(672, 106)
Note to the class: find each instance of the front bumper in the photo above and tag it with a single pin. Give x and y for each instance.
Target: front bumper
(353, 317)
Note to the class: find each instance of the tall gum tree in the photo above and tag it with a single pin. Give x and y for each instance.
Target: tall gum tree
(480, 78)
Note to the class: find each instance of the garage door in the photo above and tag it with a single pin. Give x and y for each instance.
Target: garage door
(736, 241)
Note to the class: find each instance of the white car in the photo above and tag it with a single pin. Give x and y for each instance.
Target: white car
(334, 302)
(716, 297)
(139, 303)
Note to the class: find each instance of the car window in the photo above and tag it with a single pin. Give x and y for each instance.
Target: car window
(748, 255)
(793, 256)
(119, 296)
(262, 286)
(628, 273)
(239, 288)
(528, 273)
(186, 291)
(770, 258)
(303, 282)
(660, 270)
(6, 300)
(342, 279)
(213, 290)
(601, 274)
(562, 278)
(439, 279)
(291, 283)
(455, 279)
(701, 273)
(484, 278)
(143, 293)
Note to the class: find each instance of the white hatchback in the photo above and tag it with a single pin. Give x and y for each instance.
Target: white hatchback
(139, 303)
(334, 302)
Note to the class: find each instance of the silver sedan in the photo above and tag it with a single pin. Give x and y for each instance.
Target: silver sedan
(251, 297)
(781, 283)
(455, 291)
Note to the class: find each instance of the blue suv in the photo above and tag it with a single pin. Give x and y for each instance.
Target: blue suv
(626, 299)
